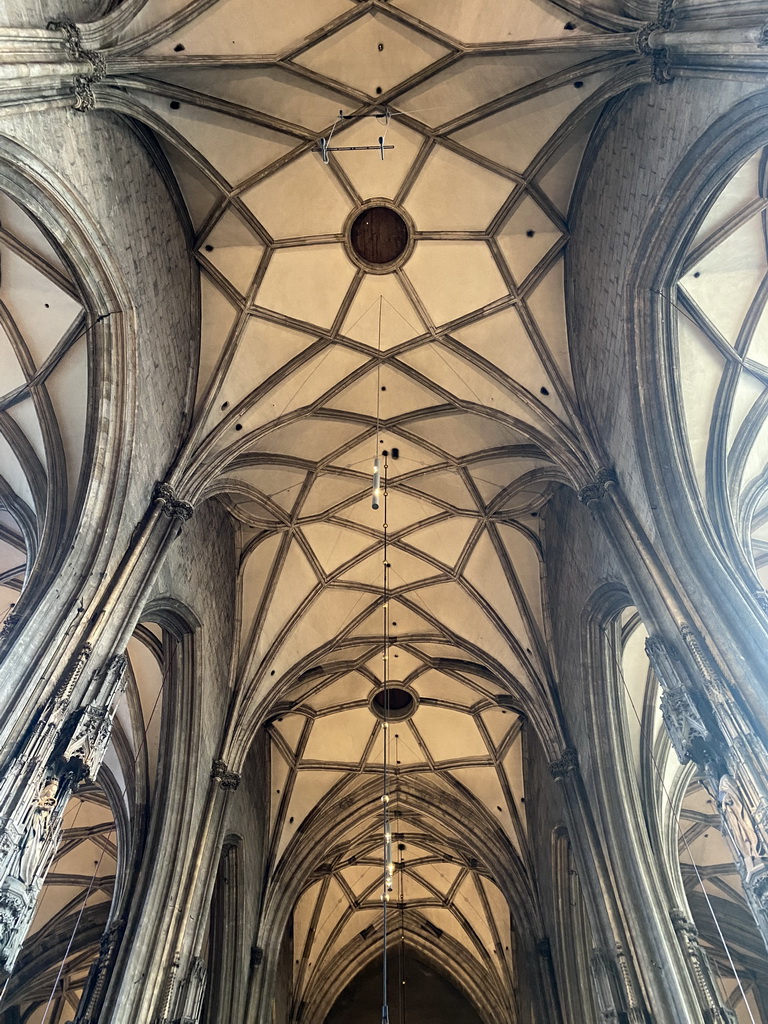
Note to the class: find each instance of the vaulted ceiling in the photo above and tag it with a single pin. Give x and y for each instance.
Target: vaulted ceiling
(43, 351)
(721, 321)
(453, 365)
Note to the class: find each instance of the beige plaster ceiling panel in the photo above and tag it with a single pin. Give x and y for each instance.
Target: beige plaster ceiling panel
(513, 138)
(454, 278)
(306, 283)
(374, 51)
(494, 20)
(237, 149)
(373, 176)
(473, 81)
(233, 250)
(381, 314)
(455, 194)
(249, 26)
(319, 205)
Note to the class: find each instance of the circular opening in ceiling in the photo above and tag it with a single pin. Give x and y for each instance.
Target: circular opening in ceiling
(393, 703)
(379, 237)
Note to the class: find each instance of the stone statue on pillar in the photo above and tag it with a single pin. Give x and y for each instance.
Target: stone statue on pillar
(739, 828)
(63, 749)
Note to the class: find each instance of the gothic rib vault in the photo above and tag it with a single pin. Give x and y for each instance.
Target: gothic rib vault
(455, 364)
(472, 387)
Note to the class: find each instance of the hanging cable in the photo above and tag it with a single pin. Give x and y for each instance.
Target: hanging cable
(376, 490)
(389, 867)
(662, 783)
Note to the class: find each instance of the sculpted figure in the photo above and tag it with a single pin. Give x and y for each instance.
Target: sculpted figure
(738, 825)
(37, 833)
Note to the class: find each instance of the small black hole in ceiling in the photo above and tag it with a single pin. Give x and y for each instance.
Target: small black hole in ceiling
(530, 232)
(697, 274)
(544, 391)
(378, 90)
(225, 405)
(534, 514)
(290, 821)
(379, 235)
(209, 248)
(174, 104)
(577, 85)
(179, 47)
(381, 47)
(383, 387)
(47, 306)
(238, 426)
(569, 26)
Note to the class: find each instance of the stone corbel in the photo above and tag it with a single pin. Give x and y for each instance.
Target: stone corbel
(565, 765)
(226, 779)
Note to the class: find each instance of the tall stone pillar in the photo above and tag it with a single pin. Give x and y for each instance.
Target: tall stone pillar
(615, 980)
(59, 751)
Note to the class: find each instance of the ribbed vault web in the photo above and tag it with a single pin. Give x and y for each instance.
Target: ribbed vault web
(456, 363)
(722, 336)
(43, 397)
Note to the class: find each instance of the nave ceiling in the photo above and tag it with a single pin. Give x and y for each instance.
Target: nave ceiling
(456, 361)
(311, 364)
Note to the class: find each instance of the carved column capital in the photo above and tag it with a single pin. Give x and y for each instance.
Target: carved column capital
(682, 923)
(164, 496)
(10, 623)
(221, 774)
(595, 492)
(564, 765)
(82, 84)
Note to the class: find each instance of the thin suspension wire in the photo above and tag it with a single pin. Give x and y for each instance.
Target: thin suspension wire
(657, 769)
(378, 381)
(388, 867)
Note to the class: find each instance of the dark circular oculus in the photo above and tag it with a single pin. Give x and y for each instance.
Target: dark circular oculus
(393, 702)
(379, 235)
